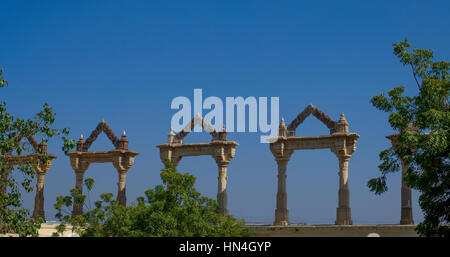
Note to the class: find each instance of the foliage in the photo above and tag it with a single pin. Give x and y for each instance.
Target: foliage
(422, 122)
(175, 208)
(13, 132)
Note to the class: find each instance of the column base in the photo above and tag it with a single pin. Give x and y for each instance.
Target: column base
(36, 215)
(223, 212)
(406, 217)
(281, 217)
(76, 213)
(343, 216)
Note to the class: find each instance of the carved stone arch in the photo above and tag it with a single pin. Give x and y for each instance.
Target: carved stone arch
(340, 141)
(221, 149)
(121, 158)
(197, 120)
(38, 165)
(316, 112)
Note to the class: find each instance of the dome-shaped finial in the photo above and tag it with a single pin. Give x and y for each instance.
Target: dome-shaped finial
(81, 137)
(342, 118)
(103, 120)
(171, 132)
(342, 125)
(282, 123)
(124, 134)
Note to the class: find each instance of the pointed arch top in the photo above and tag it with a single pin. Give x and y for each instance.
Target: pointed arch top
(197, 120)
(101, 127)
(316, 112)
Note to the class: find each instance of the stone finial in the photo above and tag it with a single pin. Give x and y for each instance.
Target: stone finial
(342, 125)
(103, 120)
(80, 144)
(171, 136)
(43, 146)
(123, 142)
(222, 135)
(282, 129)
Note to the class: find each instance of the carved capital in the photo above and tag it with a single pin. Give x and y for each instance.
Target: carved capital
(123, 163)
(42, 168)
(79, 165)
(280, 150)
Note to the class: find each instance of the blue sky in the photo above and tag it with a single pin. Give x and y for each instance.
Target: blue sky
(124, 61)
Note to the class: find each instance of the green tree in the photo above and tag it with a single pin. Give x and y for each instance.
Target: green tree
(14, 218)
(422, 122)
(173, 209)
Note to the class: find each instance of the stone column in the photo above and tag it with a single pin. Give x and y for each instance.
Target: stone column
(122, 163)
(78, 207)
(39, 198)
(406, 214)
(41, 170)
(79, 173)
(281, 213)
(343, 215)
(222, 187)
(122, 185)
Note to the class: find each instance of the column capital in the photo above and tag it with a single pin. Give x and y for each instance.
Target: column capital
(42, 168)
(79, 165)
(282, 160)
(221, 162)
(123, 163)
(343, 157)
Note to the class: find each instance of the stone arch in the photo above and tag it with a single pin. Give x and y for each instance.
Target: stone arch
(340, 141)
(121, 158)
(221, 149)
(39, 167)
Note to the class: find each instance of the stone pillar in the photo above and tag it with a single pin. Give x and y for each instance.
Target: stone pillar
(281, 213)
(39, 198)
(122, 185)
(406, 214)
(78, 207)
(41, 170)
(222, 187)
(343, 215)
(122, 163)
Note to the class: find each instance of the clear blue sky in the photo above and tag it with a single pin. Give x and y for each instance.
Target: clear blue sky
(125, 61)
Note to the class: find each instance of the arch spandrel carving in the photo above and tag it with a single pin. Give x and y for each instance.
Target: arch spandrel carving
(340, 141)
(196, 121)
(101, 127)
(316, 112)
